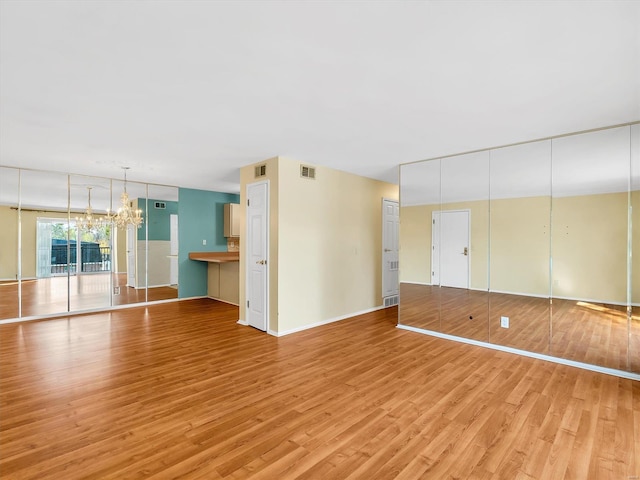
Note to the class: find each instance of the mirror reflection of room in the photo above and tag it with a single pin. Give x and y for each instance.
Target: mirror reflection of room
(62, 253)
(527, 246)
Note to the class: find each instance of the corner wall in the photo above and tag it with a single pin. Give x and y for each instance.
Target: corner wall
(325, 244)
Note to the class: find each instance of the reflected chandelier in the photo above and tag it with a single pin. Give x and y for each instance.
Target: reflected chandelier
(125, 215)
(89, 221)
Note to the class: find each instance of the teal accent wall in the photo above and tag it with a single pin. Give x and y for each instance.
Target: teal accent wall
(200, 217)
(158, 220)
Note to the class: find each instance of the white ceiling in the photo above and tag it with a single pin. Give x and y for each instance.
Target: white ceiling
(186, 92)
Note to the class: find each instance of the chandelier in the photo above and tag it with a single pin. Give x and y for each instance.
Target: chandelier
(125, 215)
(89, 220)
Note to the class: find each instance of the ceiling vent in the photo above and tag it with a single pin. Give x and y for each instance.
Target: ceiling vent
(161, 205)
(261, 171)
(307, 172)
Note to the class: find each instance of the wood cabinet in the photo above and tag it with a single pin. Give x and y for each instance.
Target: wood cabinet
(223, 282)
(231, 220)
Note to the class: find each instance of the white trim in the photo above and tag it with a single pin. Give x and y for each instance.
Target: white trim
(535, 295)
(243, 322)
(94, 310)
(525, 353)
(591, 300)
(419, 283)
(324, 322)
(223, 301)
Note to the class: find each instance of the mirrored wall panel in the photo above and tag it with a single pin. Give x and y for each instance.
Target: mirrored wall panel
(63, 249)
(130, 244)
(47, 257)
(460, 246)
(9, 298)
(520, 234)
(552, 226)
(90, 243)
(420, 191)
(162, 242)
(634, 257)
(590, 185)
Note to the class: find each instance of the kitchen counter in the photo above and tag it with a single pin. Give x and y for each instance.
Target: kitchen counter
(215, 257)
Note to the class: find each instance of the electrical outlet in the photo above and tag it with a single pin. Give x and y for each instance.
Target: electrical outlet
(504, 322)
(204, 242)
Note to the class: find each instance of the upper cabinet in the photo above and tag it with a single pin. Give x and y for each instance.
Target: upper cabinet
(231, 220)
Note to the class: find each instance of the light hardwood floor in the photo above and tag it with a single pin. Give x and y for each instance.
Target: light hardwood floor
(48, 296)
(598, 334)
(180, 390)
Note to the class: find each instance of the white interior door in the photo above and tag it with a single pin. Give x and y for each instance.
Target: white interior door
(257, 254)
(131, 256)
(450, 248)
(390, 249)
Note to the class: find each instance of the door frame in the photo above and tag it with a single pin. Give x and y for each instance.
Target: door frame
(434, 214)
(247, 244)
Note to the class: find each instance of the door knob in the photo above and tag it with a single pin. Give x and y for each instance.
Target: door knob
(466, 251)
(387, 249)
(261, 262)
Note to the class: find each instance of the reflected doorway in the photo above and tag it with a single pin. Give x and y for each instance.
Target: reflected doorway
(450, 248)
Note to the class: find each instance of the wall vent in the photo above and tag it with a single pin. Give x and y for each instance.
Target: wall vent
(261, 171)
(161, 205)
(391, 301)
(307, 172)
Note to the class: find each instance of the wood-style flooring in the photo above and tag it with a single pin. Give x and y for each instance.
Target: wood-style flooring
(180, 390)
(48, 296)
(598, 334)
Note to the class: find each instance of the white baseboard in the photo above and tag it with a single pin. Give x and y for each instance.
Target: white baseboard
(223, 301)
(243, 322)
(324, 322)
(525, 353)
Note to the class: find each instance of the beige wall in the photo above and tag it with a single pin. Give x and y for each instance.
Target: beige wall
(8, 243)
(415, 244)
(330, 244)
(520, 243)
(120, 254)
(589, 245)
(327, 236)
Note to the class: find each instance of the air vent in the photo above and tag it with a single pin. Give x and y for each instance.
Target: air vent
(307, 172)
(161, 205)
(391, 301)
(261, 171)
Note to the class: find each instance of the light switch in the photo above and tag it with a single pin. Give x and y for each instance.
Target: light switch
(204, 242)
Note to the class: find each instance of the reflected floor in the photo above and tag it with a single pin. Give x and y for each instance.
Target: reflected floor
(48, 296)
(586, 332)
